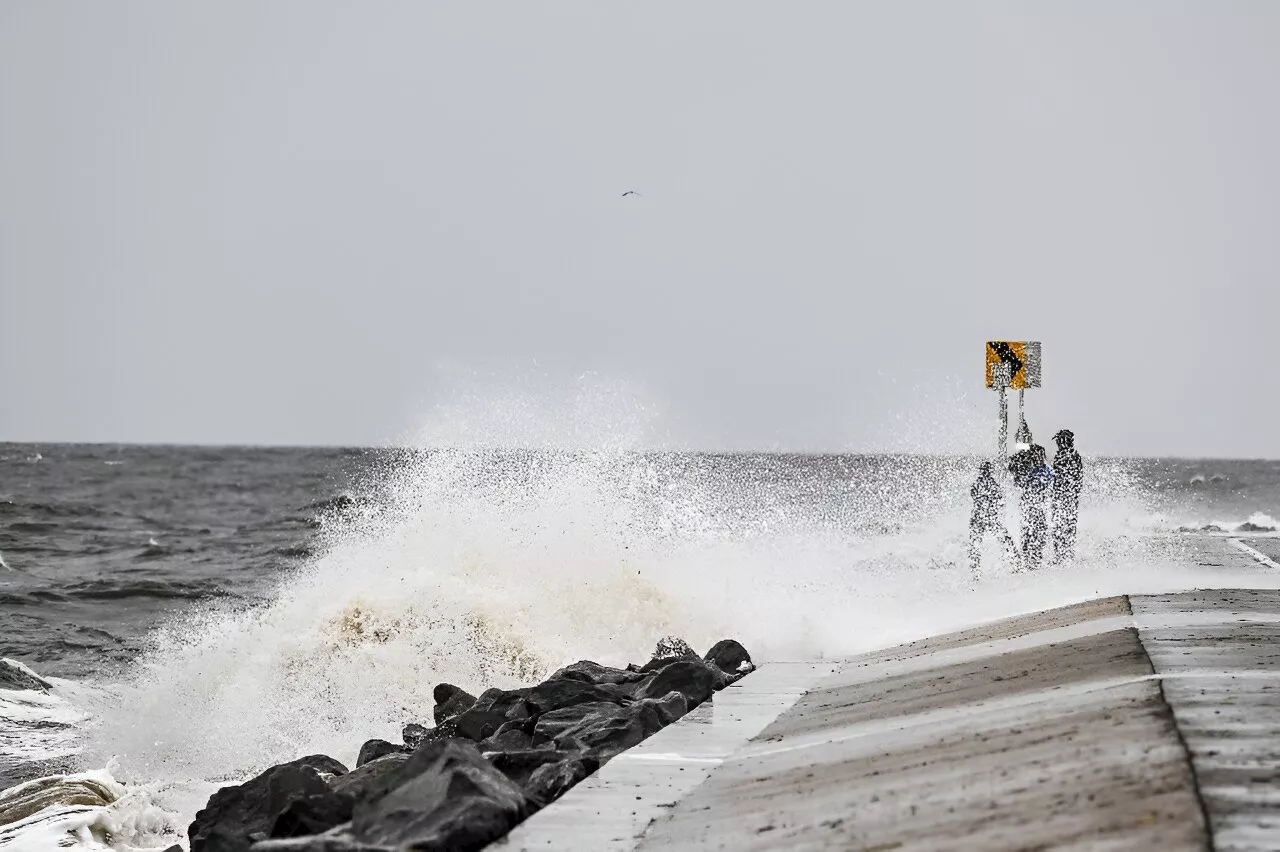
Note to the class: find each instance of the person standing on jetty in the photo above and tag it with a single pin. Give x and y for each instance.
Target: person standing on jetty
(988, 506)
(1068, 480)
(1031, 472)
(1020, 463)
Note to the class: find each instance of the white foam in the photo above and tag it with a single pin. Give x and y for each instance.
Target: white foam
(130, 823)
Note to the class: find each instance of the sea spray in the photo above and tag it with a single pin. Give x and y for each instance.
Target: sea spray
(490, 567)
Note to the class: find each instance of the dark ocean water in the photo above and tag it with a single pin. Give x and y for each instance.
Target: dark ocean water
(102, 543)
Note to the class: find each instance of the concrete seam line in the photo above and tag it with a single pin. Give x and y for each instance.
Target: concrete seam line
(1258, 556)
(1186, 749)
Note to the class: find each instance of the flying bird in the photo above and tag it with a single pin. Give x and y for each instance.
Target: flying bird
(631, 192)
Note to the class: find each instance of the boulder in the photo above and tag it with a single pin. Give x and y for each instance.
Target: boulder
(589, 672)
(669, 649)
(454, 799)
(499, 700)
(495, 708)
(312, 814)
(413, 734)
(477, 723)
(670, 707)
(373, 780)
(450, 701)
(520, 765)
(693, 679)
(553, 724)
(557, 693)
(374, 749)
(237, 816)
(550, 781)
(602, 737)
(730, 657)
(507, 738)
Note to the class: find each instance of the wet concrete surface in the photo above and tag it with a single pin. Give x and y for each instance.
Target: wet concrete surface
(1131, 722)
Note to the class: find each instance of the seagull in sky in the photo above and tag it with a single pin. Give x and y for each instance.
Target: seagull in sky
(632, 192)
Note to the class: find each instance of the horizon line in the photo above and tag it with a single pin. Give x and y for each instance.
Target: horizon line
(519, 448)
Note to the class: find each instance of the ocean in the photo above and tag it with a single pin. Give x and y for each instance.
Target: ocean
(206, 612)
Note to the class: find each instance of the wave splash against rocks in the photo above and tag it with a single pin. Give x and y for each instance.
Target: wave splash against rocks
(487, 763)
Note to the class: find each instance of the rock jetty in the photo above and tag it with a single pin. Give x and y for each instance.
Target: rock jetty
(487, 762)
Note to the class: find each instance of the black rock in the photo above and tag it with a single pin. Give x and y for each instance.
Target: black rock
(413, 734)
(450, 701)
(495, 708)
(730, 657)
(374, 749)
(590, 672)
(373, 780)
(693, 679)
(525, 725)
(553, 724)
(550, 781)
(507, 739)
(313, 814)
(500, 700)
(602, 737)
(520, 765)
(669, 650)
(557, 693)
(670, 707)
(477, 724)
(237, 816)
(455, 800)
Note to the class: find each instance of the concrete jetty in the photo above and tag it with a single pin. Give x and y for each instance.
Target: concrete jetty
(1128, 722)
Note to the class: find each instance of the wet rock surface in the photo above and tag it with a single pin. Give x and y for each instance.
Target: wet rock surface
(488, 762)
(235, 817)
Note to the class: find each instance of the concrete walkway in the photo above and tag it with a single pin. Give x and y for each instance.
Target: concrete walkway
(1132, 722)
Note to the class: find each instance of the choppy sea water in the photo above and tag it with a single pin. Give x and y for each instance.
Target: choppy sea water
(206, 612)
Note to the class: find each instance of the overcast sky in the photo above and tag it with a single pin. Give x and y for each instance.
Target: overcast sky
(316, 222)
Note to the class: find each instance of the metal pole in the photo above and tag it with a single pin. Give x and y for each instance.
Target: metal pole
(1004, 426)
(1021, 416)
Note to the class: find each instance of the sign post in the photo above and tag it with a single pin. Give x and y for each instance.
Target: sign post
(1012, 364)
(1002, 383)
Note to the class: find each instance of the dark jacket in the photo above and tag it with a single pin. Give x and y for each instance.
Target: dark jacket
(1021, 464)
(1036, 484)
(1068, 473)
(987, 497)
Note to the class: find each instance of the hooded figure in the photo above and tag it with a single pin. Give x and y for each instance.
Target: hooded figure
(1020, 463)
(1036, 481)
(988, 505)
(1068, 480)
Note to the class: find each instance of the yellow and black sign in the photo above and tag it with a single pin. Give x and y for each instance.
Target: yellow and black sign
(1013, 364)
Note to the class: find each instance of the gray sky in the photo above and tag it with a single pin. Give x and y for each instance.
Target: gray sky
(315, 222)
